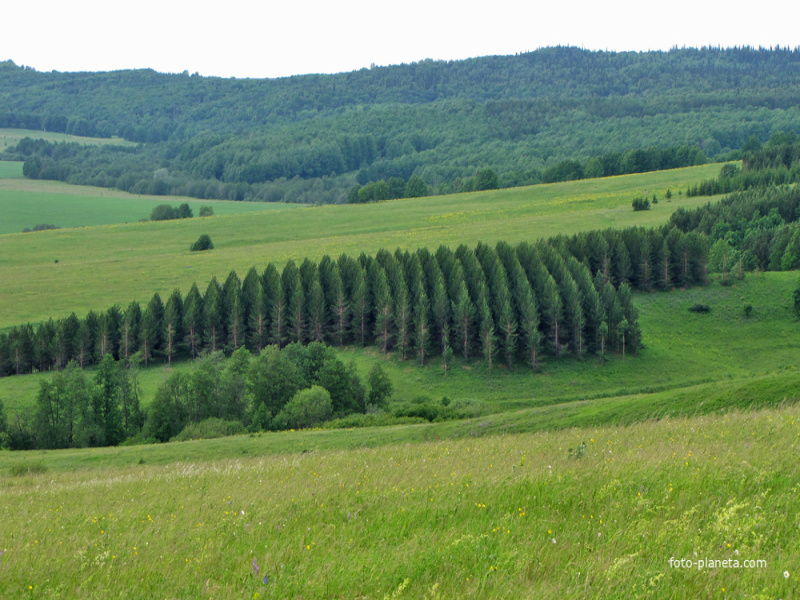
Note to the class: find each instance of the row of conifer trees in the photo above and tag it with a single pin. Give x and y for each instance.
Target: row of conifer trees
(565, 296)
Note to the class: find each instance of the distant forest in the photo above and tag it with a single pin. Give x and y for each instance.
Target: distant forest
(426, 127)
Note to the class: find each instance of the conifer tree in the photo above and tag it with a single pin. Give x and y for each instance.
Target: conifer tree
(421, 324)
(212, 317)
(464, 320)
(129, 342)
(295, 303)
(173, 325)
(193, 320)
(382, 305)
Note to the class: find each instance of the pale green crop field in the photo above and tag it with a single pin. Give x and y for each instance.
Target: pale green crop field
(11, 137)
(26, 203)
(99, 266)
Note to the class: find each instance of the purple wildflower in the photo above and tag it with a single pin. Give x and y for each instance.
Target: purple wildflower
(254, 568)
(266, 579)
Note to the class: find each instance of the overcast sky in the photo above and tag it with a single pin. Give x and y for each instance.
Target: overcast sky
(236, 38)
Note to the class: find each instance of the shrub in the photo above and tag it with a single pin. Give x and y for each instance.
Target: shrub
(164, 212)
(206, 211)
(307, 408)
(640, 204)
(427, 411)
(41, 227)
(209, 429)
(700, 308)
(203, 243)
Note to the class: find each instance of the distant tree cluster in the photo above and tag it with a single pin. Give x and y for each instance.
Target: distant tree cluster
(165, 212)
(40, 227)
(297, 387)
(776, 163)
(756, 229)
(640, 204)
(637, 160)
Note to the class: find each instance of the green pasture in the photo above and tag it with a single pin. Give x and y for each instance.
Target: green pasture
(53, 273)
(26, 203)
(595, 512)
(11, 137)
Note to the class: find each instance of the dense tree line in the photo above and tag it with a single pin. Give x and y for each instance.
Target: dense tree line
(507, 303)
(313, 138)
(756, 229)
(775, 163)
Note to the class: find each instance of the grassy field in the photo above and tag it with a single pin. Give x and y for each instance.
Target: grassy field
(100, 266)
(26, 203)
(594, 512)
(564, 488)
(11, 137)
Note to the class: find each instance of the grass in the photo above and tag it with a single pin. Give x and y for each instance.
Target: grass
(26, 203)
(505, 516)
(100, 266)
(11, 137)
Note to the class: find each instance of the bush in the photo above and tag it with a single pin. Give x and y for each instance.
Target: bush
(203, 243)
(209, 429)
(307, 408)
(164, 212)
(700, 308)
(371, 420)
(640, 204)
(206, 211)
(427, 411)
(40, 227)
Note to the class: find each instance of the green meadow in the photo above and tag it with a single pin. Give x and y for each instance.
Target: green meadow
(592, 512)
(579, 480)
(53, 273)
(26, 203)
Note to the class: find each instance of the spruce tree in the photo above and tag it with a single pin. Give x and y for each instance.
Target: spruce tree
(173, 325)
(193, 320)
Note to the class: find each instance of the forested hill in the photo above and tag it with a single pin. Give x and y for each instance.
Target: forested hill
(439, 120)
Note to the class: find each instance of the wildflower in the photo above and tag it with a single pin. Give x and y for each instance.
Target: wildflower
(254, 568)
(266, 580)
(786, 574)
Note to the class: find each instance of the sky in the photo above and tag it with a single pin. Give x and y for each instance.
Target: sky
(236, 38)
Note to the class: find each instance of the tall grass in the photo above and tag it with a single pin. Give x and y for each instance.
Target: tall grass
(500, 517)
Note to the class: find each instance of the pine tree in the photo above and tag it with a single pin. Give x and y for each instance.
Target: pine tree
(338, 306)
(487, 332)
(316, 312)
(258, 323)
(295, 303)
(421, 324)
(382, 306)
(173, 325)
(156, 308)
(464, 320)
(193, 320)
(212, 317)
(251, 287)
(360, 306)
(402, 311)
(129, 343)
